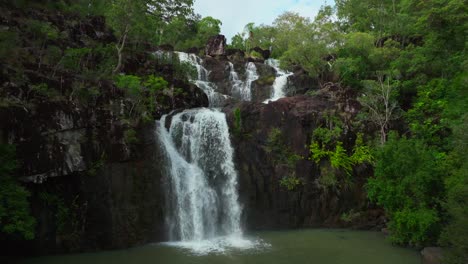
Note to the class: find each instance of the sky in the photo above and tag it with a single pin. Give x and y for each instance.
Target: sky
(235, 14)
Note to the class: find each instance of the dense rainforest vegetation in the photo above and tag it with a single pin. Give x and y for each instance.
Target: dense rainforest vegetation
(405, 58)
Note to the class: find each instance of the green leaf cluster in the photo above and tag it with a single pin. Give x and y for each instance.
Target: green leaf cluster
(15, 216)
(409, 185)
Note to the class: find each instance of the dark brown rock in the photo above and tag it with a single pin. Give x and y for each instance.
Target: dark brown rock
(431, 255)
(215, 46)
(265, 53)
(300, 83)
(267, 203)
(72, 142)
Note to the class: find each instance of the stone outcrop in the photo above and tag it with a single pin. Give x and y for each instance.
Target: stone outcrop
(265, 53)
(431, 255)
(92, 165)
(300, 83)
(268, 203)
(216, 45)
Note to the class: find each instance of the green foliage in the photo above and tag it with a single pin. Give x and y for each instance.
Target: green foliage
(415, 226)
(97, 165)
(336, 163)
(237, 122)
(155, 84)
(266, 80)
(130, 83)
(327, 149)
(74, 57)
(320, 149)
(41, 30)
(408, 184)
(43, 90)
(280, 150)
(15, 217)
(290, 182)
(426, 116)
(237, 42)
(282, 154)
(69, 216)
(130, 136)
(350, 216)
(143, 93)
(456, 204)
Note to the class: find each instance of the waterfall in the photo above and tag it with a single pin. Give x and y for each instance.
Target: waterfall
(251, 76)
(215, 98)
(203, 200)
(281, 81)
(243, 90)
(237, 84)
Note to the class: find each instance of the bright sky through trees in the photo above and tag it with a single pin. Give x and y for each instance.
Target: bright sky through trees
(236, 14)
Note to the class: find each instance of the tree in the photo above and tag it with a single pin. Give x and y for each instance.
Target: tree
(166, 10)
(238, 42)
(455, 233)
(127, 17)
(408, 184)
(206, 28)
(141, 20)
(379, 101)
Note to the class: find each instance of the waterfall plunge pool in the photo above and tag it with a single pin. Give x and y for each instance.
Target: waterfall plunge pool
(317, 246)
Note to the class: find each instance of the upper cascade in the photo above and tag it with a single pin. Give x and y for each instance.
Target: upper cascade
(251, 76)
(223, 80)
(281, 81)
(242, 90)
(215, 98)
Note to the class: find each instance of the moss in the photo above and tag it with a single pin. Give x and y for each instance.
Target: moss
(266, 80)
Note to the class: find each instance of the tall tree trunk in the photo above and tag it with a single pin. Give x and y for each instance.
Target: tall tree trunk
(120, 46)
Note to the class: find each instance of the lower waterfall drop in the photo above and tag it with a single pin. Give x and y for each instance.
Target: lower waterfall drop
(204, 208)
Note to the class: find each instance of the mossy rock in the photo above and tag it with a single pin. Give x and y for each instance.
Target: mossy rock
(266, 80)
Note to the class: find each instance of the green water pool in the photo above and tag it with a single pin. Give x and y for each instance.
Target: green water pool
(314, 246)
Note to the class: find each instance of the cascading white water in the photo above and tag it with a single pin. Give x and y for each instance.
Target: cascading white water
(237, 84)
(215, 98)
(281, 81)
(243, 90)
(251, 75)
(203, 200)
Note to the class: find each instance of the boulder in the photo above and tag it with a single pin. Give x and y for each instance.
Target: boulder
(216, 46)
(431, 255)
(265, 53)
(300, 83)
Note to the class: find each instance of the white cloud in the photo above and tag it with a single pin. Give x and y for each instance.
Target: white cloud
(235, 14)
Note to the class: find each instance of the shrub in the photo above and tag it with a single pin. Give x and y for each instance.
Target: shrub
(408, 185)
(15, 217)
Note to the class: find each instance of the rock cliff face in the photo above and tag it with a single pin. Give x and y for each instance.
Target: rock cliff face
(215, 46)
(92, 165)
(267, 202)
(116, 205)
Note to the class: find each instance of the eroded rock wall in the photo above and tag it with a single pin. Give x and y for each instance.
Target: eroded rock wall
(268, 204)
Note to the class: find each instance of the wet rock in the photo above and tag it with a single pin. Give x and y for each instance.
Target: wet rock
(236, 56)
(265, 53)
(300, 83)
(194, 50)
(81, 144)
(269, 204)
(216, 46)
